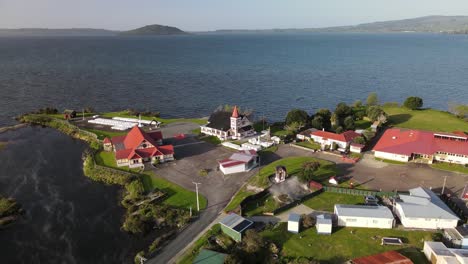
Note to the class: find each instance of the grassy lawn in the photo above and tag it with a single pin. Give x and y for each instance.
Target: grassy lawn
(450, 167)
(309, 144)
(105, 158)
(343, 245)
(293, 166)
(101, 134)
(391, 161)
(362, 124)
(193, 251)
(427, 119)
(260, 206)
(326, 200)
(164, 121)
(211, 139)
(178, 196)
(238, 198)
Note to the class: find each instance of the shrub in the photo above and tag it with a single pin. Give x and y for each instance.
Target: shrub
(203, 172)
(307, 170)
(372, 99)
(413, 102)
(359, 140)
(297, 116)
(308, 221)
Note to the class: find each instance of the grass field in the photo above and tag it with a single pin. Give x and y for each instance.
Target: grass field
(308, 144)
(450, 167)
(164, 121)
(101, 134)
(178, 196)
(427, 119)
(293, 165)
(326, 200)
(362, 124)
(343, 244)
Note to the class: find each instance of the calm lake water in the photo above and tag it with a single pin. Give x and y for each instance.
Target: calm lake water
(191, 75)
(70, 219)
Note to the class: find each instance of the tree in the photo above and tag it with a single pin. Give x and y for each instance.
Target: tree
(317, 122)
(307, 170)
(372, 99)
(297, 115)
(342, 110)
(349, 123)
(359, 140)
(339, 129)
(459, 110)
(413, 102)
(252, 241)
(294, 126)
(357, 104)
(326, 118)
(374, 112)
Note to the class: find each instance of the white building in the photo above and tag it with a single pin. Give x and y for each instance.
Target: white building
(342, 141)
(294, 221)
(364, 216)
(423, 209)
(225, 125)
(458, 236)
(324, 225)
(241, 161)
(405, 145)
(305, 135)
(356, 148)
(438, 253)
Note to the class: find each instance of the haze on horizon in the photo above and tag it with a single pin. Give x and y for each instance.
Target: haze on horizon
(204, 15)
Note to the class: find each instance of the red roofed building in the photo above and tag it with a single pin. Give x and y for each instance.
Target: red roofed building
(241, 161)
(406, 145)
(389, 257)
(138, 147)
(326, 138)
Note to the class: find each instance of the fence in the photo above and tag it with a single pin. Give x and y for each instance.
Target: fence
(297, 202)
(357, 191)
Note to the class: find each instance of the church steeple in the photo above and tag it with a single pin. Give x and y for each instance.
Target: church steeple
(235, 112)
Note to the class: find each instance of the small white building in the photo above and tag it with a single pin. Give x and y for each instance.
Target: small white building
(294, 221)
(356, 148)
(342, 140)
(458, 236)
(438, 253)
(305, 135)
(324, 225)
(241, 161)
(424, 209)
(364, 216)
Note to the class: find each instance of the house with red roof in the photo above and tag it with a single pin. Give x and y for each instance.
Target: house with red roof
(241, 161)
(325, 138)
(138, 147)
(407, 144)
(226, 125)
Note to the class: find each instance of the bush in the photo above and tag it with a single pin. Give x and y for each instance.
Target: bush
(297, 116)
(413, 102)
(307, 170)
(359, 140)
(308, 221)
(372, 99)
(203, 172)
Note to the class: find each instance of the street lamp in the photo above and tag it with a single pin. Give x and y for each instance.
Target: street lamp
(196, 189)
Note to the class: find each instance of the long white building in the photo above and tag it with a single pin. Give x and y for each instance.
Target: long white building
(423, 209)
(364, 216)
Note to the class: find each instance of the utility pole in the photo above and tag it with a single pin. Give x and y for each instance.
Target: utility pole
(443, 187)
(83, 113)
(196, 189)
(190, 211)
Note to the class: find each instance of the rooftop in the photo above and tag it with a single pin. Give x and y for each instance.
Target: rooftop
(389, 257)
(294, 217)
(363, 211)
(236, 222)
(407, 142)
(423, 203)
(347, 136)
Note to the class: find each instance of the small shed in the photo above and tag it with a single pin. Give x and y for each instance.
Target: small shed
(234, 225)
(209, 257)
(293, 223)
(324, 225)
(356, 148)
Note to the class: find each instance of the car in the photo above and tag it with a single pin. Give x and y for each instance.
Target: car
(371, 199)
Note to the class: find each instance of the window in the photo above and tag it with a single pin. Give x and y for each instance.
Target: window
(351, 220)
(375, 221)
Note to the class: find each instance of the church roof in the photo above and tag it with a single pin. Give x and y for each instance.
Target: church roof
(235, 112)
(220, 120)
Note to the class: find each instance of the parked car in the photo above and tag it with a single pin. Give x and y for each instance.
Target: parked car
(371, 200)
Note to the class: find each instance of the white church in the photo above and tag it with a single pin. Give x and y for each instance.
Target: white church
(225, 125)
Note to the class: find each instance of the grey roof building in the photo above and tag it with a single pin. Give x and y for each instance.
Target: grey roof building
(364, 216)
(422, 208)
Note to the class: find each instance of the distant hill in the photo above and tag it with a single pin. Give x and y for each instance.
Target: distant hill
(152, 30)
(430, 24)
(56, 32)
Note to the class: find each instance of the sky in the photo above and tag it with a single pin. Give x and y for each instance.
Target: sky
(201, 15)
